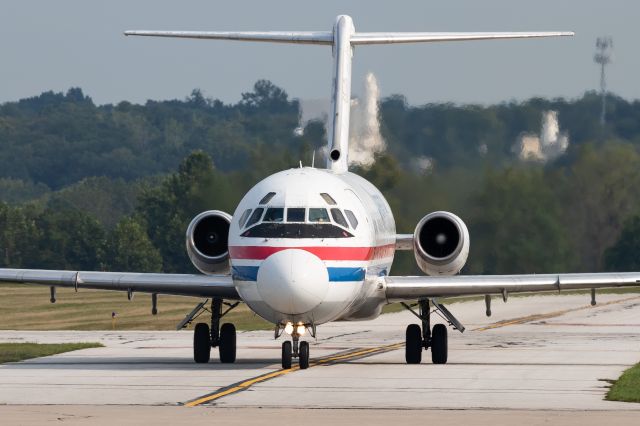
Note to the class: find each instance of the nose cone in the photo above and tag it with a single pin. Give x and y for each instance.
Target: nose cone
(293, 281)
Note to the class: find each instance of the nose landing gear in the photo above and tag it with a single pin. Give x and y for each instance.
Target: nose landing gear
(294, 349)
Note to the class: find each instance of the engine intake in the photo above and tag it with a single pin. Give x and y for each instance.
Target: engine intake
(208, 242)
(441, 244)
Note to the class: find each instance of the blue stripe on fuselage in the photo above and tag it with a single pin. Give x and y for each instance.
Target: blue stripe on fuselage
(250, 273)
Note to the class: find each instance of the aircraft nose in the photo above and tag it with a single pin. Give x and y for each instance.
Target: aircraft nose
(293, 281)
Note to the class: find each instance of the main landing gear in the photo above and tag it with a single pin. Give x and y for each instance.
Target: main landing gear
(419, 338)
(224, 337)
(294, 348)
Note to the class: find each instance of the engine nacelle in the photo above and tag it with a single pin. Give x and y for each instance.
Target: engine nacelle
(441, 244)
(208, 242)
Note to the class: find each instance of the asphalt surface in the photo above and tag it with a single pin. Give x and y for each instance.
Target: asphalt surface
(536, 357)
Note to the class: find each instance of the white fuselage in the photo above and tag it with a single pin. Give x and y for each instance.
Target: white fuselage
(308, 246)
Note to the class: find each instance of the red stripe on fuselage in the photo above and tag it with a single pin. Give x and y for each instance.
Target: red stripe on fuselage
(324, 253)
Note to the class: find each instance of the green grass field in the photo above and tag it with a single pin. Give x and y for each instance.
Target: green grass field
(27, 307)
(627, 387)
(13, 352)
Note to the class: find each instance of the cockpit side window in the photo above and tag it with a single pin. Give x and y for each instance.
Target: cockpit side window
(255, 217)
(352, 218)
(244, 217)
(338, 217)
(274, 214)
(295, 214)
(318, 215)
(267, 198)
(328, 198)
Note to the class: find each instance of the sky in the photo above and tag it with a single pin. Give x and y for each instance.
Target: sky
(55, 45)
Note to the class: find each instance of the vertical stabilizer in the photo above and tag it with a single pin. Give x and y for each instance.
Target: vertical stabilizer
(337, 159)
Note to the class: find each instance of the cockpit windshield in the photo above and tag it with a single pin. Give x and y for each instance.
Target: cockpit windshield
(318, 215)
(274, 214)
(297, 222)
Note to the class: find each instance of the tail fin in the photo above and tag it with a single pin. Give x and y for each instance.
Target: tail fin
(342, 39)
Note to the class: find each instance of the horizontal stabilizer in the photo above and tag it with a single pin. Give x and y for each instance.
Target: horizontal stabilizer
(391, 38)
(301, 37)
(326, 37)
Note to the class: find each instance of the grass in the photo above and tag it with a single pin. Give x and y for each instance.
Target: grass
(397, 307)
(13, 352)
(627, 387)
(27, 307)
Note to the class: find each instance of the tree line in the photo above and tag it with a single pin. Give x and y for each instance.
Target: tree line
(114, 187)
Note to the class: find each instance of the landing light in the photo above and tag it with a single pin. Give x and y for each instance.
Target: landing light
(300, 329)
(288, 328)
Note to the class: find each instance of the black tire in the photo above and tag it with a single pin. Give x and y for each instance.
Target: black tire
(201, 343)
(303, 355)
(286, 355)
(227, 345)
(439, 344)
(413, 344)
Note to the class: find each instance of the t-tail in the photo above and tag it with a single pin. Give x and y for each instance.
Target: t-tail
(342, 39)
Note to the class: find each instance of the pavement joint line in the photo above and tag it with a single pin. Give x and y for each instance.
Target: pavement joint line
(538, 317)
(328, 360)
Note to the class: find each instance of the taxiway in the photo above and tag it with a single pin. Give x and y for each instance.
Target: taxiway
(541, 353)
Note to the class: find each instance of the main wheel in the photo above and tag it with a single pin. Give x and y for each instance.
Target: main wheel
(303, 355)
(201, 343)
(227, 346)
(439, 344)
(413, 346)
(286, 355)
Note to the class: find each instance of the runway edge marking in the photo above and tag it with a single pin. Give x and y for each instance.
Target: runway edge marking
(537, 317)
(328, 360)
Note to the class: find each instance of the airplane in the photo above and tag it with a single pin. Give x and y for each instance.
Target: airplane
(307, 246)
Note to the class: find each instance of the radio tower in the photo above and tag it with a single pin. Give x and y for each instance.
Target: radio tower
(604, 47)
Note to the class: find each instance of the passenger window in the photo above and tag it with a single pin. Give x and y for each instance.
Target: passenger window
(274, 215)
(295, 214)
(267, 198)
(352, 218)
(255, 217)
(318, 215)
(244, 217)
(338, 218)
(328, 198)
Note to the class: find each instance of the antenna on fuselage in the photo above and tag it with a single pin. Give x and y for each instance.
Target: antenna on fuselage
(313, 159)
(342, 38)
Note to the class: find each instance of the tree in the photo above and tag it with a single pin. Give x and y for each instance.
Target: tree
(68, 239)
(624, 255)
(516, 226)
(129, 249)
(600, 193)
(266, 95)
(18, 235)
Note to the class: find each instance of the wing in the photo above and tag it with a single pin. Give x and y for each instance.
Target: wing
(220, 286)
(410, 288)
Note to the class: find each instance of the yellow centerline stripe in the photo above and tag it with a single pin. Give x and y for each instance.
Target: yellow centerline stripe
(538, 317)
(250, 382)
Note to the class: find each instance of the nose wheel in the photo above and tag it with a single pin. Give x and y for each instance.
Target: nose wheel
(295, 349)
